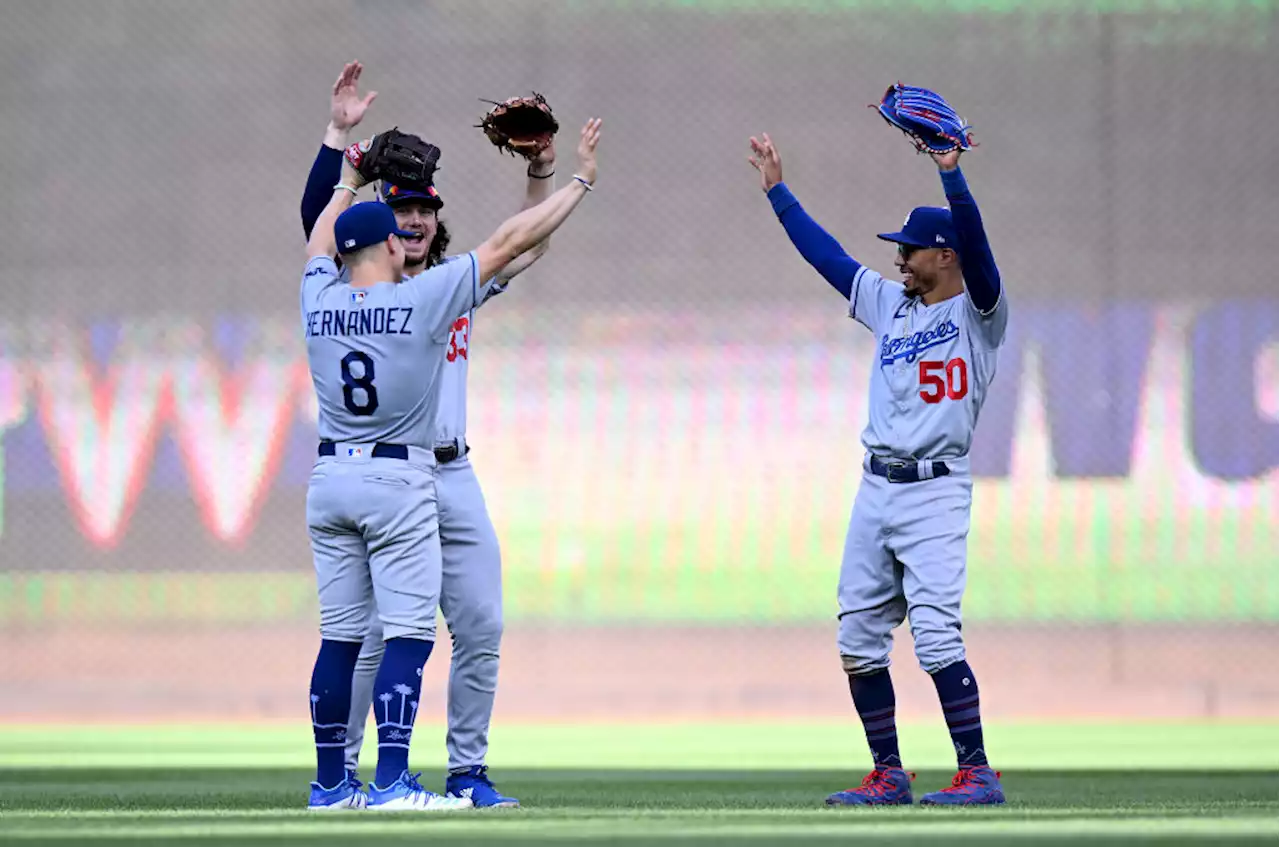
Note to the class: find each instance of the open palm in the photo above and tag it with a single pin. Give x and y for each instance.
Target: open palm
(347, 107)
(765, 159)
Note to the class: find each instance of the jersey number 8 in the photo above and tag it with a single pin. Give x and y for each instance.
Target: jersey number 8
(363, 383)
(938, 380)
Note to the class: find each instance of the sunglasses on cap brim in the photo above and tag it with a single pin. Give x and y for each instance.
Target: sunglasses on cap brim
(909, 250)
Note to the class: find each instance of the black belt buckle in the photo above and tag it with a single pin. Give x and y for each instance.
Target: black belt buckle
(899, 472)
(445, 455)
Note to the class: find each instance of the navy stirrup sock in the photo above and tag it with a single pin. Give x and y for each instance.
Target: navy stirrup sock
(330, 707)
(874, 699)
(958, 693)
(395, 704)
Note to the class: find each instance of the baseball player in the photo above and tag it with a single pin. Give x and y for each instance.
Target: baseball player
(471, 586)
(376, 345)
(938, 332)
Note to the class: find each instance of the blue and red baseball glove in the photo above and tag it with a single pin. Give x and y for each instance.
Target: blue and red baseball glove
(927, 119)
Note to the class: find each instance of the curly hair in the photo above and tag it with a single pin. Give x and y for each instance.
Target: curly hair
(439, 244)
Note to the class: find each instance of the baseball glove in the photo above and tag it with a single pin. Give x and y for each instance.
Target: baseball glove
(928, 120)
(397, 157)
(522, 126)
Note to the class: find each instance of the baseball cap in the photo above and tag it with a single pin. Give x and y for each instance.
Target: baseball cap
(393, 194)
(926, 226)
(364, 224)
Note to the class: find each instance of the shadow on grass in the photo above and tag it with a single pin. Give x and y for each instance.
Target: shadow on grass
(229, 790)
(633, 807)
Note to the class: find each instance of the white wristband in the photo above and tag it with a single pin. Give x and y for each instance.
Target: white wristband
(347, 187)
(585, 184)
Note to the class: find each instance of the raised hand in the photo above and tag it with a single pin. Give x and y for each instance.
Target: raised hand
(947, 161)
(587, 149)
(545, 161)
(347, 107)
(765, 159)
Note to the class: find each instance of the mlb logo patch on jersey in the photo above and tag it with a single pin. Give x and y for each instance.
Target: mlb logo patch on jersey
(357, 297)
(355, 452)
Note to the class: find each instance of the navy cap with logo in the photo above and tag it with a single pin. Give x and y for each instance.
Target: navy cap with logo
(395, 194)
(926, 226)
(365, 224)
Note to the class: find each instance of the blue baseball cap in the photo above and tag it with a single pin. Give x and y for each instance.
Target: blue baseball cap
(926, 226)
(393, 194)
(365, 224)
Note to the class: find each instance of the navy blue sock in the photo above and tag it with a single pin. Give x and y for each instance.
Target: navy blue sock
(395, 704)
(874, 700)
(330, 707)
(958, 693)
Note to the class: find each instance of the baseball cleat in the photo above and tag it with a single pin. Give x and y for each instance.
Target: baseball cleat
(406, 795)
(881, 787)
(972, 786)
(474, 784)
(345, 795)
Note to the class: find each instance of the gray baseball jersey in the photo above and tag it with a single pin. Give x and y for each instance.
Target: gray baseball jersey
(451, 415)
(376, 353)
(451, 419)
(906, 548)
(933, 367)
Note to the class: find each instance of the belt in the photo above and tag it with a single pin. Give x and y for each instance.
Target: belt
(909, 471)
(380, 451)
(446, 454)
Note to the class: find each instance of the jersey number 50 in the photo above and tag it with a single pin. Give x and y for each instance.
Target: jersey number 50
(938, 380)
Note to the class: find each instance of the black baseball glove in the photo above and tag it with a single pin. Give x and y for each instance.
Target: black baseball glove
(396, 157)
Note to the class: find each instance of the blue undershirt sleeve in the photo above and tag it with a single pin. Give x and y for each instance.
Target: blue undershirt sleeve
(814, 243)
(325, 173)
(981, 276)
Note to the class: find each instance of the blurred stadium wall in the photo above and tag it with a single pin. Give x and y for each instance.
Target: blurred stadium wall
(665, 411)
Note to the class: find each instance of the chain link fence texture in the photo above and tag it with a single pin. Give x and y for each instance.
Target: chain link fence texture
(665, 411)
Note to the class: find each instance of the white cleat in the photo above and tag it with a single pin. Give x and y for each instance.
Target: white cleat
(406, 795)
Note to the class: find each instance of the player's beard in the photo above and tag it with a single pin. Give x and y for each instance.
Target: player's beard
(416, 252)
(414, 265)
(912, 287)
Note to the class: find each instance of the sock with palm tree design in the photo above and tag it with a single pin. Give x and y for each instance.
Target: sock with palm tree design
(395, 704)
(330, 706)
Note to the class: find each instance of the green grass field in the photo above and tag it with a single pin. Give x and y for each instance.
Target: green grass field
(756, 783)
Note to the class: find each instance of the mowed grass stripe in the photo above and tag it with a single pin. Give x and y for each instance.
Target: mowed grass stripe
(546, 790)
(691, 746)
(833, 823)
(1012, 811)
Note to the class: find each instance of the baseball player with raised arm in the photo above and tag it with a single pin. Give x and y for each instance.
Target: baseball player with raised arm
(937, 333)
(376, 347)
(471, 585)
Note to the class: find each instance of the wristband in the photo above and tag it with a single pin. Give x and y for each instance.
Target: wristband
(347, 187)
(532, 175)
(585, 184)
